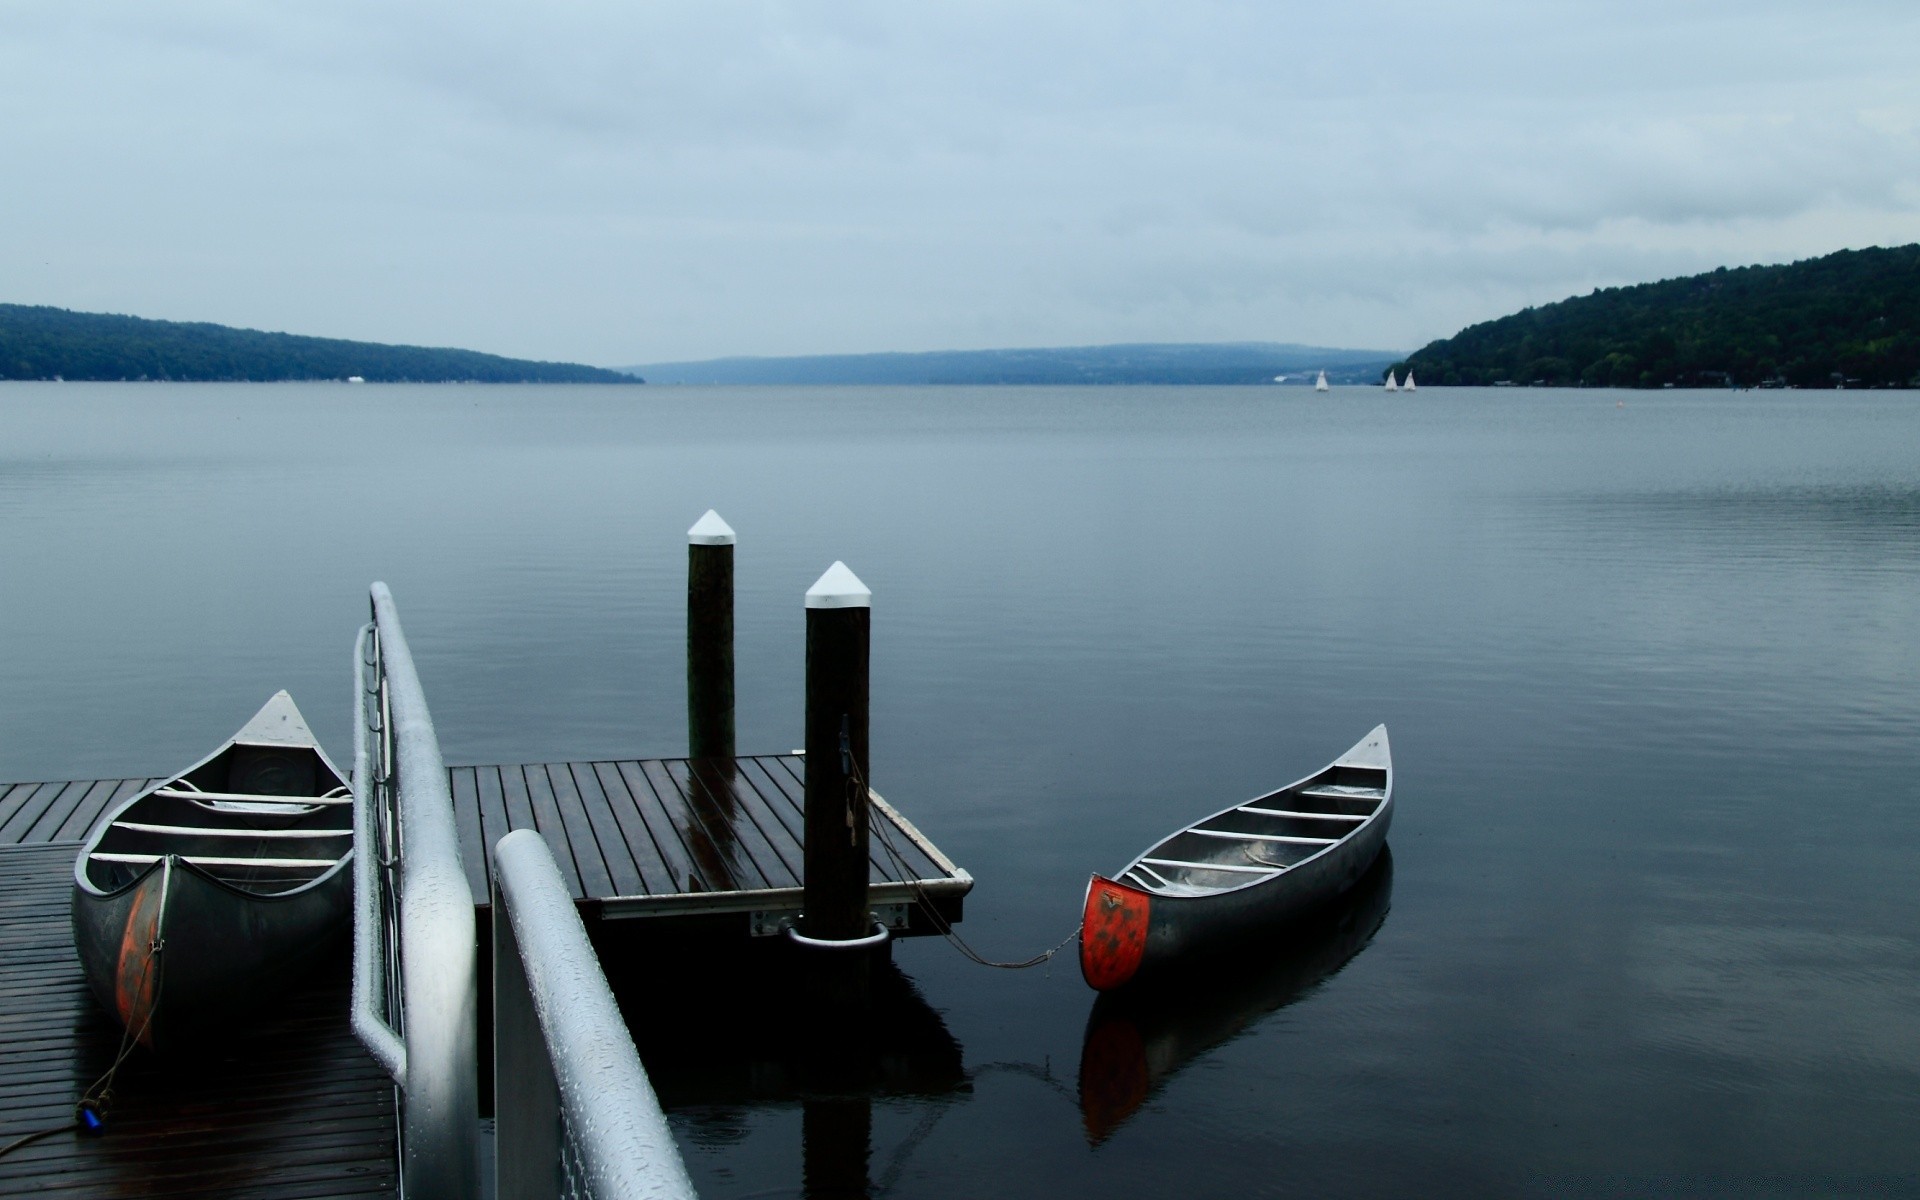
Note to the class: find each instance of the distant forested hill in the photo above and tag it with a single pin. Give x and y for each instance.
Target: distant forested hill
(1852, 316)
(49, 343)
(1176, 363)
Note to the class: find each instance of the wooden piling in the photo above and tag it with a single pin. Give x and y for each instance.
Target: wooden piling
(710, 639)
(839, 624)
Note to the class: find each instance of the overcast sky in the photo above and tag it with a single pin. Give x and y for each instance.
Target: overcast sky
(619, 182)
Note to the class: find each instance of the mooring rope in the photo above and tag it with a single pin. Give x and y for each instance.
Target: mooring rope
(856, 780)
(89, 1112)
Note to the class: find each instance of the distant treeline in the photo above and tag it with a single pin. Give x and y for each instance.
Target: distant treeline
(1850, 318)
(54, 343)
(1141, 363)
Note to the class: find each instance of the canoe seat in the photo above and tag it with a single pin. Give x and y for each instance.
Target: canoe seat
(273, 803)
(1188, 865)
(1263, 837)
(202, 831)
(1152, 881)
(1304, 816)
(199, 860)
(1343, 791)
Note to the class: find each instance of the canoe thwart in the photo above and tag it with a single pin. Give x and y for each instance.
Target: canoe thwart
(200, 860)
(208, 831)
(1304, 816)
(1189, 865)
(1263, 837)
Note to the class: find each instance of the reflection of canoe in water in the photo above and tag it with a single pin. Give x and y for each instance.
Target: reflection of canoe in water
(1139, 1037)
(1245, 867)
(197, 899)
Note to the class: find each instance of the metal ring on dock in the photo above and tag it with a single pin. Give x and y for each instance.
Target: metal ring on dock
(880, 934)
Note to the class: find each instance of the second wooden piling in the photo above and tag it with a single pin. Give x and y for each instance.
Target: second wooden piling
(839, 628)
(710, 639)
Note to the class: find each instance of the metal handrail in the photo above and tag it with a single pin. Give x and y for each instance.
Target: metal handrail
(414, 999)
(574, 1113)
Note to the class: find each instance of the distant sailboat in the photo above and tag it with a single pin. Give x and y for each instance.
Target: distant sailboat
(1392, 386)
(1320, 384)
(1408, 385)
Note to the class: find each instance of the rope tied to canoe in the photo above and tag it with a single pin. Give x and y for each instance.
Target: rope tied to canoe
(857, 791)
(90, 1111)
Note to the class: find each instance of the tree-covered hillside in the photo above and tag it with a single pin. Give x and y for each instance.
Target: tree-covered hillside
(50, 343)
(1852, 316)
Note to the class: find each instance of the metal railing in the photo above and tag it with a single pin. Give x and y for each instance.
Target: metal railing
(413, 931)
(574, 1114)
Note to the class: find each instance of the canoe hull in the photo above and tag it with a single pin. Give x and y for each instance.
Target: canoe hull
(223, 953)
(1175, 928)
(197, 900)
(1178, 901)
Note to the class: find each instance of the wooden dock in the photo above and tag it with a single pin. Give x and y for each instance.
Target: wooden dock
(295, 1107)
(713, 851)
(291, 1107)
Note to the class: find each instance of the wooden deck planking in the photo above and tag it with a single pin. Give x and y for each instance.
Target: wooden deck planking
(18, 826)
(631, 831)
(604, 815)
(709, 867)
(666, 831)
(596, 872)
(646, 839)
(716, 830)
(291, 1108)
(59, 810)
(626, 806)
(786, 773)
(464, 784)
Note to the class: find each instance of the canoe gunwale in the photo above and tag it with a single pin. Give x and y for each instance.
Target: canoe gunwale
(105, 824)
(1279, 872)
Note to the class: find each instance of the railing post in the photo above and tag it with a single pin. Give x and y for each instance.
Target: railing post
(526, 1098)
(839, 625)
(710, 639)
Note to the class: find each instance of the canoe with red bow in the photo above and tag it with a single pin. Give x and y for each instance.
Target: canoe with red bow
(1244, 868)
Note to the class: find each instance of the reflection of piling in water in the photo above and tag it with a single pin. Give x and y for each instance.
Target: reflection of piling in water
(713, 1039)
(836, 1140)
(711, 1042)
(1139, 1037)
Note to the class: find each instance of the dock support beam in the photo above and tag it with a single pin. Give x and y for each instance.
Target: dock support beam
(839, 625)
(710, 639)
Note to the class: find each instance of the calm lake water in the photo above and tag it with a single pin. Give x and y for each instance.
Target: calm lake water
(1649, 661)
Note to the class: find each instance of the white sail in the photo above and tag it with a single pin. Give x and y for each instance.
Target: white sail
(1391, 385)
(1408, 385)
(1320, 384)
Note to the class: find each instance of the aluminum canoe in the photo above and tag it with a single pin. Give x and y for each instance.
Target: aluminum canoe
(198, 900)
(1242, 869)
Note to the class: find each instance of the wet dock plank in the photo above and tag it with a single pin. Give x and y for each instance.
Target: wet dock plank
(632, 837)
(291, 1107)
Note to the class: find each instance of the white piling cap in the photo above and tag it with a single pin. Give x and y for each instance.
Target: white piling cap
(839, 588)
(710, 530)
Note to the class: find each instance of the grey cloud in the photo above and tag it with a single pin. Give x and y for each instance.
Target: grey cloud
(617, 183)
